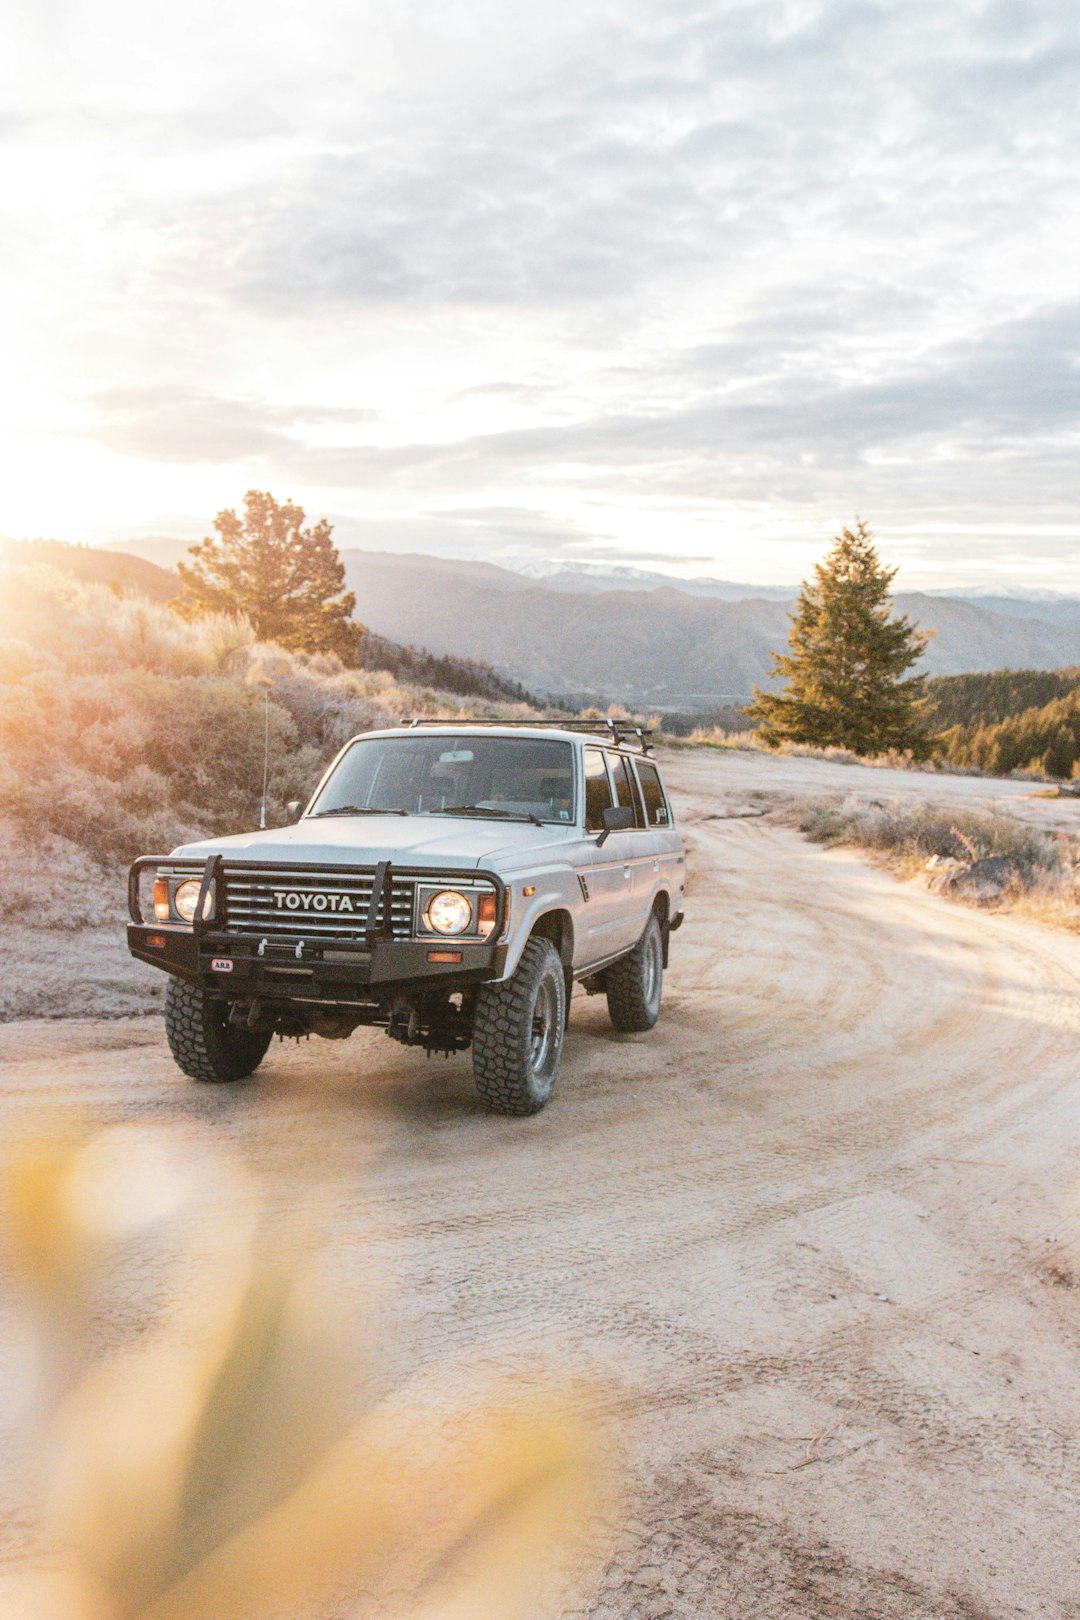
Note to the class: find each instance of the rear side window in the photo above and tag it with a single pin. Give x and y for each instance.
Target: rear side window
(657, 813)
(597, 790)
(625, 792)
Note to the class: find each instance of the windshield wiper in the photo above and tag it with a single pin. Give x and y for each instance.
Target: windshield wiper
(356, 810)
(487, 810)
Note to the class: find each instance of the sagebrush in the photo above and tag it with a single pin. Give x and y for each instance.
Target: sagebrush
(918, 831)
(124, 730)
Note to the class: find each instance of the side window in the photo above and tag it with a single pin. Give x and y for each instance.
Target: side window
(625, 793)
(597, 790)
(657, 813)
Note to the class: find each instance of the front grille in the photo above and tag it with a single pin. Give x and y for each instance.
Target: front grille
(257, 903)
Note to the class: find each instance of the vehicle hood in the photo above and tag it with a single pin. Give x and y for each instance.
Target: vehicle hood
(450, 841)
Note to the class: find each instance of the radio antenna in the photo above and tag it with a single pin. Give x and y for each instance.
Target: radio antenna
(266, 756)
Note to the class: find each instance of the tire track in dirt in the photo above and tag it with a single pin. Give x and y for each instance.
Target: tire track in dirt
(810, 1213)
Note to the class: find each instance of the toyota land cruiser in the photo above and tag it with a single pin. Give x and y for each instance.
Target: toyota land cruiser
(448, 881)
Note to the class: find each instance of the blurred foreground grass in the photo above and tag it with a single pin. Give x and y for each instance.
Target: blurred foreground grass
(233, 1461)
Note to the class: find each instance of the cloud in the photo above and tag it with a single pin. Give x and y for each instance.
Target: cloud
(532, 279)
(185, 425)
(1014, 385)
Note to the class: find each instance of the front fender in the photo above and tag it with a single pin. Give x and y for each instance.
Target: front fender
(554, 892)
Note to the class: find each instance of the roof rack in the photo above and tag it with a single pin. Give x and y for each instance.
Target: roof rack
(619, 732)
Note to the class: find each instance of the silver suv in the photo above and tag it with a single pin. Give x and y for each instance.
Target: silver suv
(448, 881)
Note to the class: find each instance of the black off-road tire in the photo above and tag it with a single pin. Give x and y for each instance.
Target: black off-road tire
(635, 983)
(518, 1032)
(203, 1042)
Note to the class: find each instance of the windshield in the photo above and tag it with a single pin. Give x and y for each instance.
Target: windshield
(527, 777)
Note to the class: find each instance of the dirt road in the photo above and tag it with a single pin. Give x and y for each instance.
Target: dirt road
(816, 1234)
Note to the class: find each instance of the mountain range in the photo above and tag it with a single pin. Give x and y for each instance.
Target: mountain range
(646, 639)
(586, 577)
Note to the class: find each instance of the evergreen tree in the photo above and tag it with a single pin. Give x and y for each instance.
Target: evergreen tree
(846, 660)
(287, 579)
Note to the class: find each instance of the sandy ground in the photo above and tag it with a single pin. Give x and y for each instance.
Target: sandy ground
(87, 972)
(815, 1236)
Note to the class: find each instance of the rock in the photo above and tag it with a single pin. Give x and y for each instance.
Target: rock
(983, 881)
(943, 869)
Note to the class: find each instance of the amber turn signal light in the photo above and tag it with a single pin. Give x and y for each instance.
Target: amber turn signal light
(444, 956)
(486, 909)
(161, 899)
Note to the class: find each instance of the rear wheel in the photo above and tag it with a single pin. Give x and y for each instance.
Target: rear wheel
(635, 984)
(201, 1039)
(518, 1033)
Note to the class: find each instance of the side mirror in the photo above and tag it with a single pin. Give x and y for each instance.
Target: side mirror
(293, 811)
(616, 818)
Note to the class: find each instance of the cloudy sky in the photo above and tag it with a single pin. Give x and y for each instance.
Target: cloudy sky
(681, 283)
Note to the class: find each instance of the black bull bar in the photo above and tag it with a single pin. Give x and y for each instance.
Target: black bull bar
(242, 965)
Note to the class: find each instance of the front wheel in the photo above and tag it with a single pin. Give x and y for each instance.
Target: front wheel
(636, 982)
(518, 1033)
(201, 1039)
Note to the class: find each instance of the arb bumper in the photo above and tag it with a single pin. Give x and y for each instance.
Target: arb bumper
(243, 964)
(240, 968)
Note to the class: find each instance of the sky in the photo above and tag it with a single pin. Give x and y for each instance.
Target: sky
(684, 284)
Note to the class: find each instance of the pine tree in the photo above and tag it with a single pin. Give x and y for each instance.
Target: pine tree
(287, 579)
(846, 660)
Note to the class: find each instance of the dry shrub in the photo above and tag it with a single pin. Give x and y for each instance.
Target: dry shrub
(1051, 896)
(917, 831)
(715, 737)
(50, 882)
(892, 759)
(906, 836)
(125, 730)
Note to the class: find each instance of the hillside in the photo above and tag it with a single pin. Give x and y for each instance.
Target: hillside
(655, 648)
(161, 549)
(624, 635)
(987, 699)
(1045, 738)
(121, 572)
(586, 577)
(125, 572)
(462, 676)
(126, 729)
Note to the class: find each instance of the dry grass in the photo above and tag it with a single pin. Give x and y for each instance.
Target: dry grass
(905, 837)
(124, 729)
(234, 1458)
(917, 831)
(712, 737)
(893, 759)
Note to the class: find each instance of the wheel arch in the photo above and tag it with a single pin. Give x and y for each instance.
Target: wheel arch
(557, 925)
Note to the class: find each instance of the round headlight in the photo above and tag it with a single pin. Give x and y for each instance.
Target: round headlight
(186, 899)
(449, 913)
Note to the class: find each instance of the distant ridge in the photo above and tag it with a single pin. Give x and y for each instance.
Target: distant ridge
(655, 646)
(93, 566)
(647, 639)
(589, 576)
(126, 574)
(160, 549)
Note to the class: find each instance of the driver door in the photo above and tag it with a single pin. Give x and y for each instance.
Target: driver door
(609, 911)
